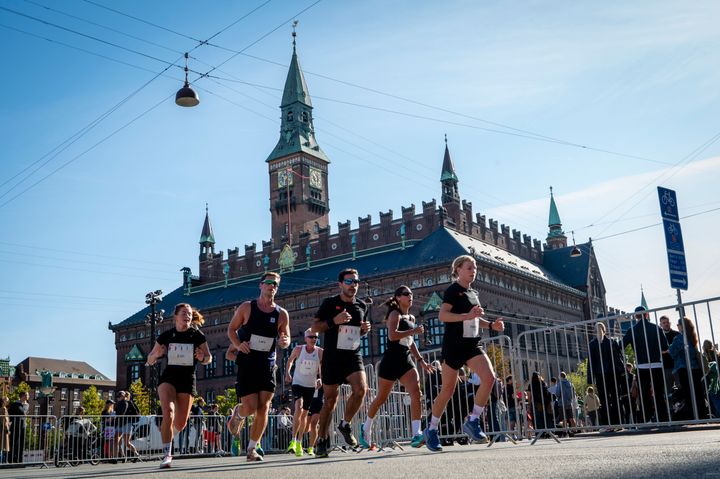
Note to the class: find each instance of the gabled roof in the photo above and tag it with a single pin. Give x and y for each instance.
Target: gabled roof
(34, 365)
(440, 247)
(135, 354)
(571, 271)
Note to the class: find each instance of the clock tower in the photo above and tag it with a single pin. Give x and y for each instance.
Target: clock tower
(297, 167)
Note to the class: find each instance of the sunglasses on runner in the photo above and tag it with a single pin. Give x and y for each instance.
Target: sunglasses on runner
(270, 281)
(406, 293)
(349, 281)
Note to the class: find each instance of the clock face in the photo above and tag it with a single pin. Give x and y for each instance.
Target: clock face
(315, 178)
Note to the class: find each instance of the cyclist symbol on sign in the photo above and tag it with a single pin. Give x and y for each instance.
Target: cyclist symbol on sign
(673, 233)
(667, 199)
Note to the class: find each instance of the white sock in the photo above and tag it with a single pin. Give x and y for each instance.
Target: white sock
(476, 412)
(367, 427)
(167, 449)
(251, 445)
(416, 427)
(434, 421)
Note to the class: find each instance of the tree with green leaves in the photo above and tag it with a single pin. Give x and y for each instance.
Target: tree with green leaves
(92, 401)
(140, 396)
(23, 387)
(227, 401)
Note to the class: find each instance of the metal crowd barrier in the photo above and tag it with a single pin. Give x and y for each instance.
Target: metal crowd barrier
(499, 421)
(631, 369)
(33, 441)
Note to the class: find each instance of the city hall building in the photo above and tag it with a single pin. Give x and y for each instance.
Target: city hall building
(528, 283)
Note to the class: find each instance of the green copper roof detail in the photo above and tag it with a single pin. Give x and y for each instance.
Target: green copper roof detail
(207, 233)
(448, 169)
(296, 89)
(287, 259)
(554, 219)
(135, 354)
(643, 302)
(297, 133)
(433, 304)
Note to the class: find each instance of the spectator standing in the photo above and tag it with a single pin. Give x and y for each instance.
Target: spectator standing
(649, 343)
(711, 376)
(591, 403)
(4, 430)
(17, 411)
(567, 400)
(107, 418)
(690, 375)
(606, 368)
(213, 434)
(670, 334)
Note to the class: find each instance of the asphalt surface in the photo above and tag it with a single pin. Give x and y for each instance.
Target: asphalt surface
(686, 453)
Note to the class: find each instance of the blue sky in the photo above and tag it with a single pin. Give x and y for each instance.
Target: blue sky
(602, 101)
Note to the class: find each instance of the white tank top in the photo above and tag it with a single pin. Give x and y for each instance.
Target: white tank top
(307, 366)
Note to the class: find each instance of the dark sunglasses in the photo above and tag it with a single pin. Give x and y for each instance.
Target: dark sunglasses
(311, 337)
(351, 281)
(406, 293)
(270, 281)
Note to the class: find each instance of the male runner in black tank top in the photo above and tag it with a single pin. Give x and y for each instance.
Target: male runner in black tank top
(342, 319)
(252, 332)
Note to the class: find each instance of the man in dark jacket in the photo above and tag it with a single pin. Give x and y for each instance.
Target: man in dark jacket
(17, 411)
(649, 343)
(606, 370)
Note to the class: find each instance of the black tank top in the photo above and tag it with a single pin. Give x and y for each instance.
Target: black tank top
(261, 331)
(406, 322)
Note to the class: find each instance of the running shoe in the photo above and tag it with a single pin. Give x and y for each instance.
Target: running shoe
(417, 440)
(166, 462)
(298, 449)
(253, 456)
(432, 440)
(472, 428)
(364, 443)
(310, 451)
(322, 447)
(259, 450)
(347, 435)
(292, 447)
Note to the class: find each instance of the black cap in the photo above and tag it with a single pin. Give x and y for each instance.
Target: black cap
(640, 308)
(109, 401)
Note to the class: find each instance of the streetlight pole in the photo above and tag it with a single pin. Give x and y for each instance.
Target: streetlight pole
(153, 318)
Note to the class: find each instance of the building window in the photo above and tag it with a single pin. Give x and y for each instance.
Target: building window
(290, 116)
(63, 394)
(133, 372)
(37, 410)
(210, 368)
(304, 117)
(76, 394)
(63, 410)
(229, 368)
(364, 346)
(383, 340)
(210, 396)
(437, 330)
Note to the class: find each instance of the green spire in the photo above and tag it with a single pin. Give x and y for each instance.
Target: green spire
(554, 219)
(448, 169)
(207, 233)
(643, 302)
(297, 133)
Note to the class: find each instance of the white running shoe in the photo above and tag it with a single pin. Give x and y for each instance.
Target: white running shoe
(166, 462)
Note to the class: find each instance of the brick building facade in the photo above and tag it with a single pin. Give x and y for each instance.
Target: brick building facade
(530, 284)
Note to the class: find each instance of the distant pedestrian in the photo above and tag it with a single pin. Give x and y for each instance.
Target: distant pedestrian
(18, 425)
(591, 403)
(4, 430)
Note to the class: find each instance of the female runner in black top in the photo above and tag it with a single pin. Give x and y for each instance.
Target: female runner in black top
(184, 346)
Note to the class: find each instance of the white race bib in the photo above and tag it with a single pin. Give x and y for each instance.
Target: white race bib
(407, 341)
(348, 337)
(471, 328)
(260, 343)
(308, 368)
(180, 354)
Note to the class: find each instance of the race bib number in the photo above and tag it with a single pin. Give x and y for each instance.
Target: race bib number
(308, 368)
(260, 343)
(471, 328)
(180, 354)
(348, 337)
(407, 341)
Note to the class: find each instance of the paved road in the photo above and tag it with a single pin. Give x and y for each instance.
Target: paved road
(690, 453)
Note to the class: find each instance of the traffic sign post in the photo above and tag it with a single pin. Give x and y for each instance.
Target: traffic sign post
(673, 242)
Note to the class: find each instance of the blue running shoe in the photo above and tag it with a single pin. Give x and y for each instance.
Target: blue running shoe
(259, 450)
(473, 429)
(417, 440)
(432, 441)
(363, 443)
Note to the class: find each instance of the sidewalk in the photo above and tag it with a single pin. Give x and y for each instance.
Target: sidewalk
(689, 453)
